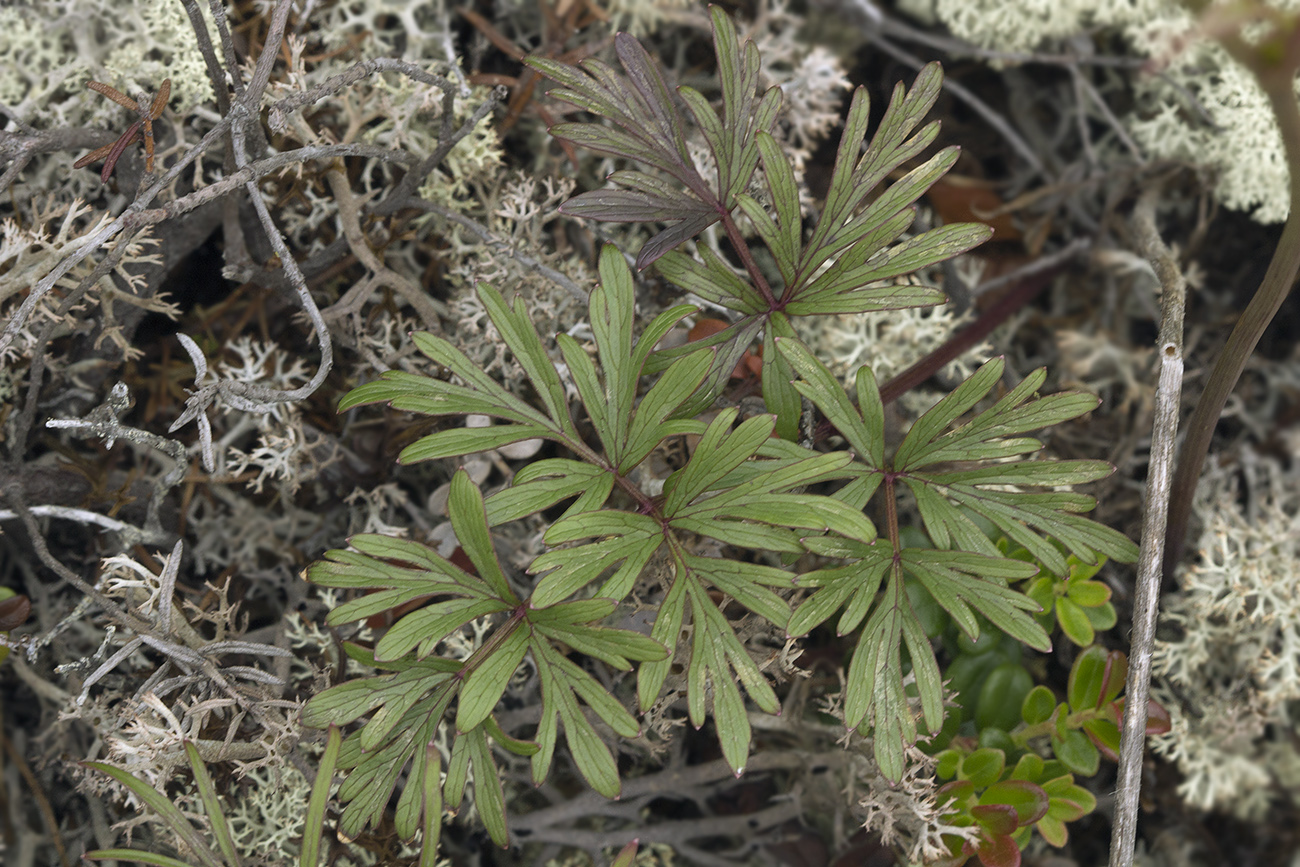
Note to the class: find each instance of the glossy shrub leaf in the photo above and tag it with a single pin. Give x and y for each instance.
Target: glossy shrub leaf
(1104, 735)
(1028, 799)
(998, 851)
(983, 767)
(1074, 622)
(1002, 695)
(1038, 705)
(1088, 679)
(1077, 752)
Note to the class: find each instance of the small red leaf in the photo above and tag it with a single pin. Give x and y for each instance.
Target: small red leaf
(997, 819)
(999, 851)
(13, 612)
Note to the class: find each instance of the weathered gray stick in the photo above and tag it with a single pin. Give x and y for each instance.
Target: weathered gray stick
(1147, 598)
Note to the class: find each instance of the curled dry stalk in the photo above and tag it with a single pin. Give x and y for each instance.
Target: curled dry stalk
(1274, 61)
(149, 112)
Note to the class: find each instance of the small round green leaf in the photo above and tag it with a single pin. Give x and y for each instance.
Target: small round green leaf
(1088, 594)
(1076, 752)
(946, 764)
(1103, 617)
(1038, 705)
(1087, 677)
(1002, 695)
(1030, 767)
(1028, 799)
(996, 739)
(1074, 622)
(983, 767)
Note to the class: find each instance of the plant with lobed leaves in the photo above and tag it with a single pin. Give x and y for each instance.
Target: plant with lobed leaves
(742, 490)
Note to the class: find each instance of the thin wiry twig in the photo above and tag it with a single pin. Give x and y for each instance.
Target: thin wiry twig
(102, 422)
(131, 534)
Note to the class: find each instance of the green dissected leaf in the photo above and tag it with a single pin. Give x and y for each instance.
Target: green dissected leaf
(432, 808)
(404, 571)
(719, 452)
(374, 771)
(851, 587)
(875, 680)
(489, 798)
(212, 806)
(571, 623)
(160, 804)
(562, 682)
(468, 519)
(864, 430)
(856, 238)
(482, 689)
(136, 856)
(544, 483)
(944, 496)
(648, 129)
(621, 538)
(959, 581)
(718, 658)
(313, 826)
(778, 378)
(712, 279)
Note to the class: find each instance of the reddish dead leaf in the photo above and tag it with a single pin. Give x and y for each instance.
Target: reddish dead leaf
(13, 612)
(958, 199)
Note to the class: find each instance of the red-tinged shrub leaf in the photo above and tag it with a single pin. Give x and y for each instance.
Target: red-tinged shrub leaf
(1028, 799)
(1158, 722)
(1105, 736)
(999, 851)
(996, 819)
(13, 612)
(957, 790)
(1116, 673)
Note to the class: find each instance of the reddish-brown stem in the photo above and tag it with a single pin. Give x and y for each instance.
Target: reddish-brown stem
(891, 513)
(1020, 295)
(1276, 79)
(747, 259)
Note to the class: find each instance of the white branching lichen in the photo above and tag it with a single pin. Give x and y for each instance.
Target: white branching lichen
(1231, 677)
(1231, 130)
